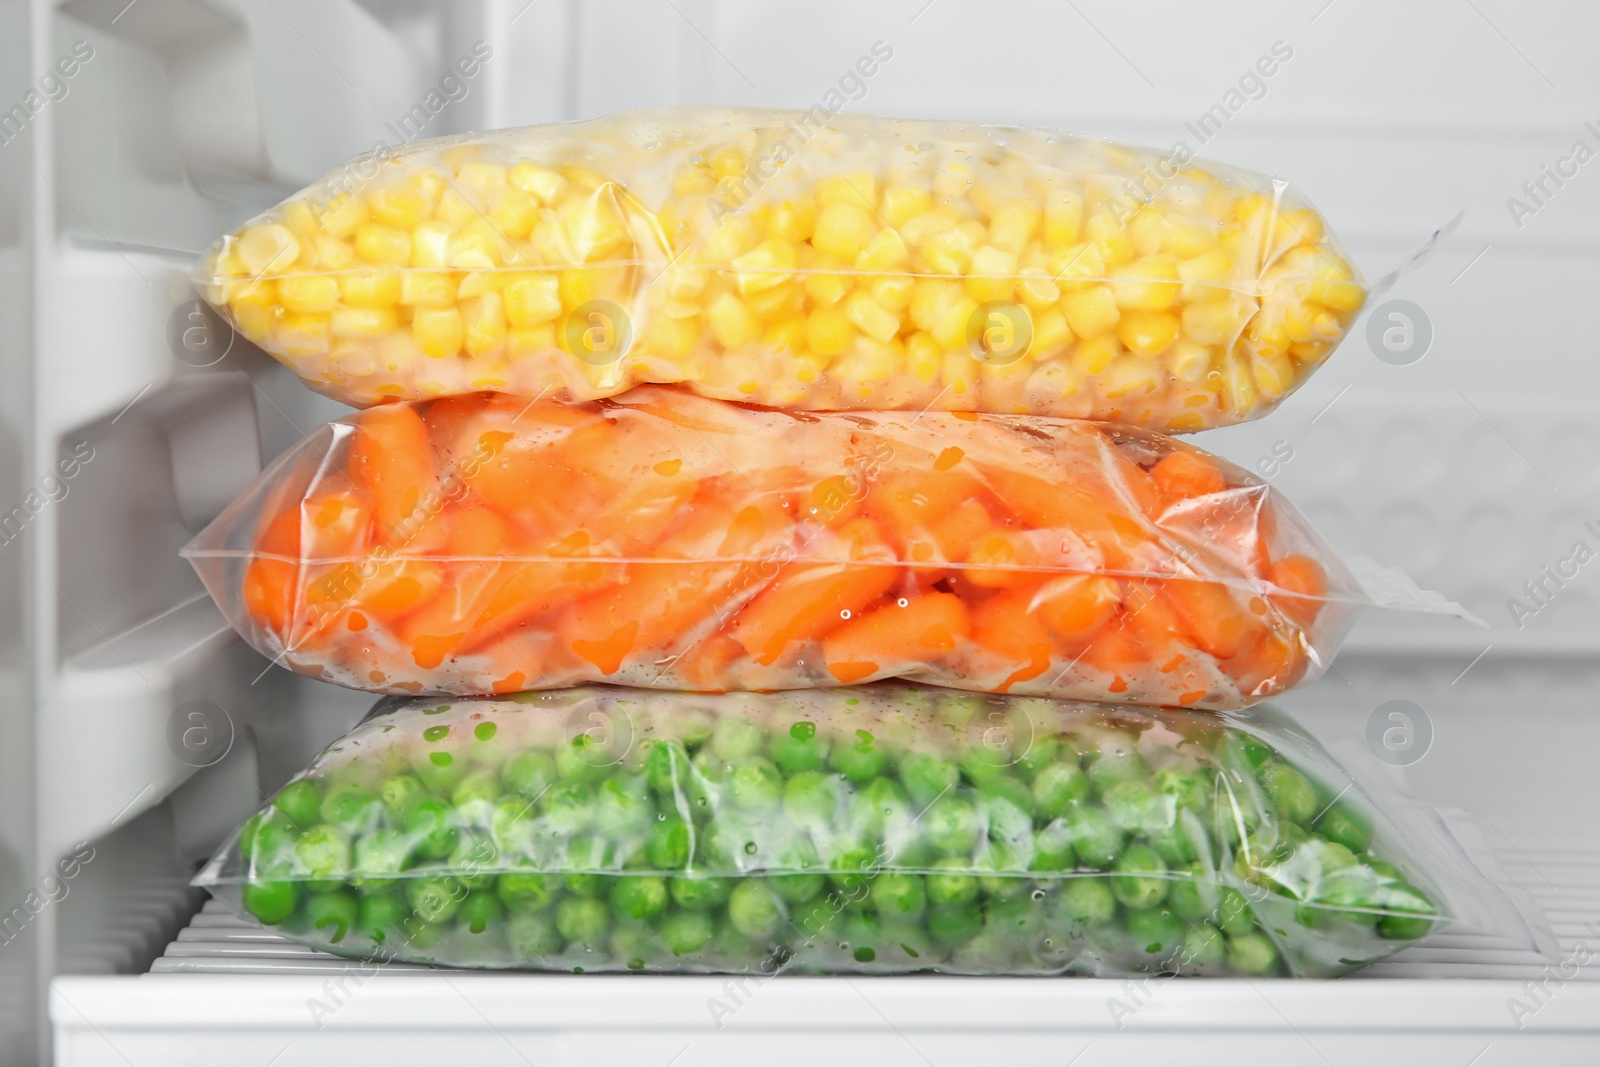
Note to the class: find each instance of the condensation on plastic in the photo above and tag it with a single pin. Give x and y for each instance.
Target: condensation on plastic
(869, 830)
(768, 257)
(484, 544)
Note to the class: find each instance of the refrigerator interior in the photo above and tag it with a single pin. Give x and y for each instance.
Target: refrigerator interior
(1467, 456)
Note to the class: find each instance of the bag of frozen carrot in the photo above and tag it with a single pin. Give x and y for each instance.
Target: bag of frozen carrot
(798, 260)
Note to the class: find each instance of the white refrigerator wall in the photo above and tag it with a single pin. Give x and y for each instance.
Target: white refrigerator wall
(1468, 458)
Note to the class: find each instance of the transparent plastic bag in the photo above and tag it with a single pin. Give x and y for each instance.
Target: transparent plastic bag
(877, 829)
(774, 258)
(486, 544)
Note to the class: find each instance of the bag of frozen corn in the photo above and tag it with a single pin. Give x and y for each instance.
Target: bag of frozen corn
(866, 830)
(778, 258)
(487, 544)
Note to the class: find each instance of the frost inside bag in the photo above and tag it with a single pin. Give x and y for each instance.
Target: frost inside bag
(486, 544)
(868, 830)
(784, 259)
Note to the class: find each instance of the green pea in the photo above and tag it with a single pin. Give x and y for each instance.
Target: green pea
(1193, 897)
(439, 771)
(756, 786)
(582, 920)
(526, 891)
(477, 786)
(688, 724)
(1004, 822)
(1137, 807)
(569, 807)
(699, 892)
(480, 911)
(580, 759)
(589, 861)
(858, 758)
(381, 853)
(1013, 791)
(379, 915)
(352, 807)
(1346, 826)
(949, 882)
(1233, 912)
(668, 845)
(1044, 751)
(1176, 843)
(879, 808)
(1117, 761)
(473, 855)
(799, 748)
(735, 739)
(432, 826)
(1095, 838)
(1412, 917)
(899, 896)
(1020, 919)
(815, 919)
(1056, 787)
(1252, 954)
(323, 852)
(271, 849)
(1243, 752)
(333, 914)
(533, 936)
(270, 902)
(300, 802)
(398, 793)
(1052, 849)
(1191, 788)
(1154, 931)
(980, 764)
(667, 767)
(955, 922)
(423, 936)
(511, 822)
(1291, 792)
(754, 910)
(927, 777)
(623, 808)
(811, 799)
(686, 932)
(1083, 904)
(641, 896)
(1138, 883)
(435, 900)
(1203, 945)
(951, 826)
(960, 709)
(797, 888)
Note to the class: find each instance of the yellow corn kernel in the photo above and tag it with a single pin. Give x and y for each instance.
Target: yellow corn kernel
(1063, 220)
(1187, 421)
(732, 237)
(398, 208)
(903, 202)
(949, 251)
(1306, 224)
(1340, 296)
(1299, 321)
(267, 250)
(1309, 352)
(869, 361)
(429, 185)
(1274, 376)
(931, 299)
(1192, 237)
(951, 329)
(958, 371)
(530, 299)
(893, 291)
(361, 322)
(1267, 335)
(544, 183)
(302, 335)
(691, 181)
(1189, 360)
(309, 292)
(924, 357)
(334, 254)
(1091, 311)
(1094, 355)
(383, 245)
(870, 317)
(777, 303)
(1239, 395)
(917, 229)
(732, 324)
(1077, 265)
(344, 216)
(430, 244)
(994, 274)
(370, 288)
(483, 183)
(252, 318)
(484, 320)
(477, 282)
(1037, 289)
(1147, 284)
(1151, 231)
(793, 220)
(787, 335)
(768, 264)
(578, 286)
(515, 214)
(434, 289)
(1013, 225)
(1216, 321)
(828, 331)
(1051, 333)
(858, 189)
(673, 337)
(1148, 333)
(264, 290)
(531, 340)
(593, 227)
(826, 285)
(1108, 231)
(438, 331)
(887, 251)
(843, 230)
(1130, 374)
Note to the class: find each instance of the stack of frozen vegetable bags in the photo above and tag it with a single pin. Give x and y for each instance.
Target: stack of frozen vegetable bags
(768, 532)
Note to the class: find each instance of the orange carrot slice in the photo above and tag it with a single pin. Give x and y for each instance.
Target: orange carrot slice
(1215, 616)
(1182, 476)
(998, 558)
(392, 459)
(1303, 575)
(1003, 627)
(908, 633)
(1074, 607)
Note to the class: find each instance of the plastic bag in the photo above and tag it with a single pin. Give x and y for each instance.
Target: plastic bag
(486, 544)
(870, 830)
(772, 258)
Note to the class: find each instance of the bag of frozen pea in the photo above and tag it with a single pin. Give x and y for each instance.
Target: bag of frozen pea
(796, 260)
(487, 544)
(878, 829)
